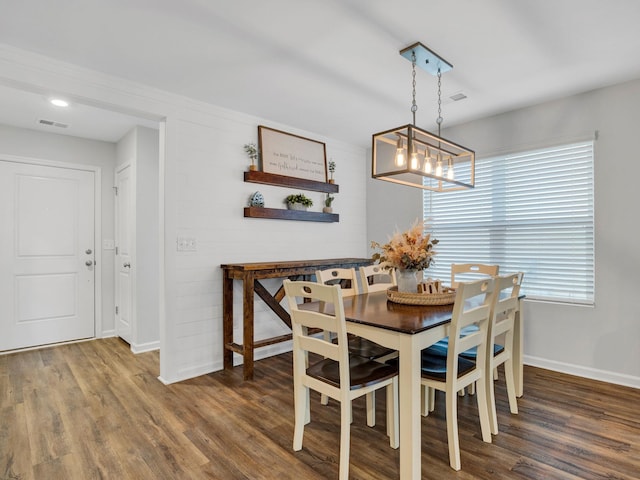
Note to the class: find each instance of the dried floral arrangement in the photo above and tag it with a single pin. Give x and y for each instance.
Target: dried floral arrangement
(410, 250)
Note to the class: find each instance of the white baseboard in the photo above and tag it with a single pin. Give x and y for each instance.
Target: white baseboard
(107, 334)
(145, 347)
(216, 366)
(586, 372)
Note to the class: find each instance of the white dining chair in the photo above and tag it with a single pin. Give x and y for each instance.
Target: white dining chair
(339, 375)
(348, 281)
(453, 373)
(377, 277)
(505, 307)
(469, 272)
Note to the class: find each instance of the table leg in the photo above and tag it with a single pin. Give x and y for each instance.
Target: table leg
(247, 326)
(518, 350)
(227, 320)
(410, 420)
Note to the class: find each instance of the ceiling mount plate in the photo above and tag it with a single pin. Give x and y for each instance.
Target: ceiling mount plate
(426, 59)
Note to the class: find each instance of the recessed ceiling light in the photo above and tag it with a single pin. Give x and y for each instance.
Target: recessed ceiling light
(58, 102)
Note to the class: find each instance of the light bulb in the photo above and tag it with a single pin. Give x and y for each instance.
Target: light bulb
(427, 161)
(450, 173)
(400, 153)
(415, 163)
(439, 167)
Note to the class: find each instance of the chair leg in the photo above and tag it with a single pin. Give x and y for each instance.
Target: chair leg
(493, 414)
(432, 399)
(301, 408)
(393, 419)
(345, 430)
(483, 405)
(511, 386)
(424, 401)
(471, 389)
(452, 430)
(307, 417)
(371, 409)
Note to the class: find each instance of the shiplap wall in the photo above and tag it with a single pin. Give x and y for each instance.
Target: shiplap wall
(209, 198)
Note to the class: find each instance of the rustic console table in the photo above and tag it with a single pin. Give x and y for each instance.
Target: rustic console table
(250, 274)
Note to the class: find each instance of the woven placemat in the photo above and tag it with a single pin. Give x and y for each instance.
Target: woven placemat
(445, 298)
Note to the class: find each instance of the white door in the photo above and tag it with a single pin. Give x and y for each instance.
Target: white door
(46, 255)
(123, 254)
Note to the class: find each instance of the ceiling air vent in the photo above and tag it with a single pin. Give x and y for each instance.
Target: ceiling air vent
(458, 96)
(51, 123)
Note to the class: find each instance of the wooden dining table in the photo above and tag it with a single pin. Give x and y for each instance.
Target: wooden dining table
(409, 329)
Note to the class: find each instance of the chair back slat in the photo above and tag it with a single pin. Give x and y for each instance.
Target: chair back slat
(471, 271)
(303, 320)
(472, 306)
(319, 346)
(345, 277)
(378, 277)
(505, 306)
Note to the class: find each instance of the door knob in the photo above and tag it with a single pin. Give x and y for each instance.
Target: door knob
(88, 251)
(126, 265)
(88, 263)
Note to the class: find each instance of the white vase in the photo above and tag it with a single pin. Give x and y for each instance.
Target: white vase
(407, 281)
(297, 206)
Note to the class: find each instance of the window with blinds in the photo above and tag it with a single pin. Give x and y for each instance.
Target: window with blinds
(530, 212)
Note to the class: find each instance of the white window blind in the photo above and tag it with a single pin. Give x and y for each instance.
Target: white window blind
(530, 212)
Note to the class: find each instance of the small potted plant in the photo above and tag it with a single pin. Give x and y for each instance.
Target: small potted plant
(252, 152)
(327, 204)
(332, 169)
(298, 201)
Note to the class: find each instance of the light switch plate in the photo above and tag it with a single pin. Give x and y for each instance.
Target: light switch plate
(186, 244)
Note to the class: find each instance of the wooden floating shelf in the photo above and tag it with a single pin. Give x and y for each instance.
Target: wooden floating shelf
(281, 214)
(256, 176)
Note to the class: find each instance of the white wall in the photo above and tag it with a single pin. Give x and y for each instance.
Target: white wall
(602, 341)
(79, 151)
(147, 235)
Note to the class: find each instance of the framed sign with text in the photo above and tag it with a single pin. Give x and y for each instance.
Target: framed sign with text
(291, 155)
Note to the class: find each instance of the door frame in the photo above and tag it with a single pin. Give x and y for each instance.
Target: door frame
(97, 224)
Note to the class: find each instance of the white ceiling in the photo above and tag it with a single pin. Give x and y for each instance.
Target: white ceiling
(24, 109)
(332, 66)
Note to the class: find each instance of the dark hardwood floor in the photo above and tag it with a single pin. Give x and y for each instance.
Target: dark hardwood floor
(94, 410)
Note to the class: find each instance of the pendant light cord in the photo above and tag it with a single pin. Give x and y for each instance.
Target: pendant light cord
(439, 120)
(414, 105)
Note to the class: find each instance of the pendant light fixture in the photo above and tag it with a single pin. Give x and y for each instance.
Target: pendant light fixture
(411, 156)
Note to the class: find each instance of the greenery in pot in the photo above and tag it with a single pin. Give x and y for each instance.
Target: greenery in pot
(329, 200)
(252, 152)
(299, 198)
(332, 169)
